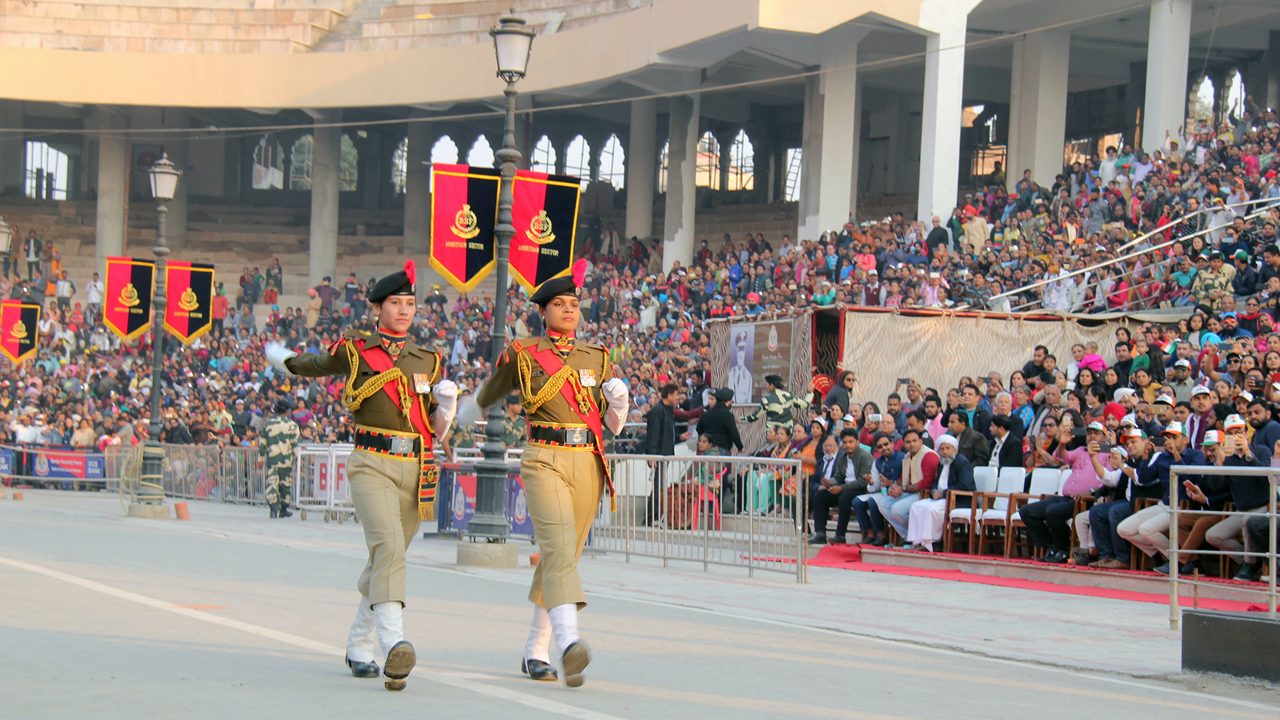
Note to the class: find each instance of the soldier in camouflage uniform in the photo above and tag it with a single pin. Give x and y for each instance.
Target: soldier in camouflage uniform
(517, 429)
(280, 437)
(776, 406)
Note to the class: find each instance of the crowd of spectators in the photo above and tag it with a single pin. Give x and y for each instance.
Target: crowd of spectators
(87, 389)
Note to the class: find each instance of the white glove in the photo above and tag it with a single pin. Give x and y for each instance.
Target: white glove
(618, 399)
(277, 354)
(446, 393)
(469, 413)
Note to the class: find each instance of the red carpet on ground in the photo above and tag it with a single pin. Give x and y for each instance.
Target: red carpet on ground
(849, 557)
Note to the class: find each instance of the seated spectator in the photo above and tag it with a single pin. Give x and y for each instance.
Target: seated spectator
(972, 445)
(849, 479)
(871, 507)
(1147, 529)
(1248, 494)
(928, 515)
(919, 473)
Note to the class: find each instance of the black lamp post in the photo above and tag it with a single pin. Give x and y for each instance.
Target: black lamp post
(512, 42)
(164, 185)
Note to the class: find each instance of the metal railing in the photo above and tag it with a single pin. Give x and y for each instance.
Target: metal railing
(1176, 554)
(203, 472)
(57, 467)
(744, 512)
(1265, 206)
(320, 481)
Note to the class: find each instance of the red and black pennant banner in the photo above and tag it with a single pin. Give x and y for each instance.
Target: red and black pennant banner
(126, 303)
(545, 215)
(188, 311)
(464, 211)
(19, 330)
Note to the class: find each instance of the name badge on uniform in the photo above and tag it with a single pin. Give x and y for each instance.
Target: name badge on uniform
(421, 383)
(587, 377)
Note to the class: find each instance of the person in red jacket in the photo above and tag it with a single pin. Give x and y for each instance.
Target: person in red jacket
(219, 308)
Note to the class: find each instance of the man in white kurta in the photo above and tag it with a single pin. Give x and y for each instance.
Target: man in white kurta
(928, 515)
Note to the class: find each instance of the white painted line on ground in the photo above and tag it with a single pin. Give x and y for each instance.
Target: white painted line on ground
(462, 681)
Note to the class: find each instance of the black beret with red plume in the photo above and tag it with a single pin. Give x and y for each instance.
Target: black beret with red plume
(401, 282)
(565, 285)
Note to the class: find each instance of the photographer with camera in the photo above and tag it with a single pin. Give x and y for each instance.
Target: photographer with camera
(1144, 475)
(1147, 529)
(1249, 494)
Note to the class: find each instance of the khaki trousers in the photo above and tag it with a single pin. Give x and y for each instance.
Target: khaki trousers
(562, 487)
(385, 492)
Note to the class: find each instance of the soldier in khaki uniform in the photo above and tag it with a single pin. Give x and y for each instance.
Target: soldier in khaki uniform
(400, 404)
(569, 395)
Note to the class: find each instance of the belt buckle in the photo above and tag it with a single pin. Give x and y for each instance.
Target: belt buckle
(401, 445)
(575, 436)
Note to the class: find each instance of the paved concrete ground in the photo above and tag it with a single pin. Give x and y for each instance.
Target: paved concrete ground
(232, 615)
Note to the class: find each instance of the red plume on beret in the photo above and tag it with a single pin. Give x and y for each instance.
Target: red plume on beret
(411, 272)
(579, 272)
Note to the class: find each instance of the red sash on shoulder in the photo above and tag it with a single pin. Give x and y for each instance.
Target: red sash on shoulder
(380, 360)
(551, 363)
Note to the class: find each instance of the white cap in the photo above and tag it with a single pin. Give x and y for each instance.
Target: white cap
(1246, 395)
(1233, 421)
(1183, 363)
(1164, 400)
(1199, 390)
(1122, 393)
(948, 439)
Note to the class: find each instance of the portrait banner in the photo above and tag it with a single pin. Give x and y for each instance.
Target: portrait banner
(544, 212)
(464, 212)
(126, 299)
(188, 311)
(19, 330)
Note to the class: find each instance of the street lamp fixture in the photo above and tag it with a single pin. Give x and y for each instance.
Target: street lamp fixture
(164, 185)
(512, 44)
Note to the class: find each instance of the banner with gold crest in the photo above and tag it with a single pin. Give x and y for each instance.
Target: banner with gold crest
(188, 311)
(126, 301)
(464, 211)
(545, 215)
(19, 330)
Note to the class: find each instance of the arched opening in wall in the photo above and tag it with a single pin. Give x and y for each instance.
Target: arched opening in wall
(300, 162)
(742, 163)
(662, 166)
(544, 156)
(791, 183)
(46, 171)
(1201, 109)
(348, 165)
(268, 164)
(481, 153)
(613, 163)
(577, 160)
(707, 171)
(400, 167)
(444, 151)
(1235, 96)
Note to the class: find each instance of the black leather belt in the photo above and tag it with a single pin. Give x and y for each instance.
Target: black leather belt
(390, 444)
(561, 436)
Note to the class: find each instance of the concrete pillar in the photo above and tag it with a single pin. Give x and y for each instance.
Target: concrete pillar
(642, 158)
(725, 141)
(943, 98)
(831, 136)
(325, 159)
(1269, 94)
(1164, 112)
(810, 162)
(417, 193)
(1038, 105)
(371, 174)
(682, 158)
(113, 185)
(12, 150)
(1133, 94)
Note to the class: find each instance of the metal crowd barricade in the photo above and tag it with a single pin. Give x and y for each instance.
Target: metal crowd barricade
(57, 467)
(745, 512)
(1176, 555)
(320, 481)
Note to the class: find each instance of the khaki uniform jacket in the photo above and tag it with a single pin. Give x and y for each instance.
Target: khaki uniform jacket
(363, 394)
(587, 367)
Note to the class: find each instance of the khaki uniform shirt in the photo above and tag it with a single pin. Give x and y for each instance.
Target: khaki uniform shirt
(369, 402)
(540, 392)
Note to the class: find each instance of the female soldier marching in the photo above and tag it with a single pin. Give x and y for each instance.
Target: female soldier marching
(570, 395)
(400, 404)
